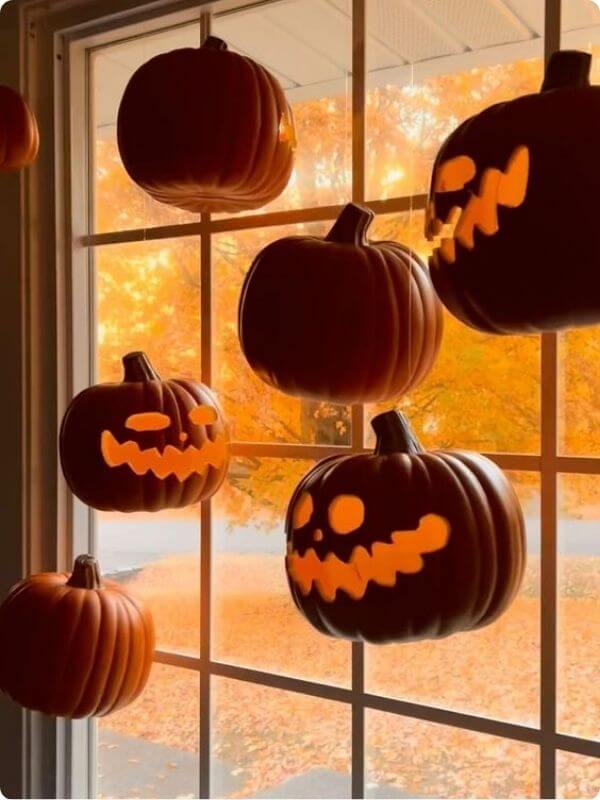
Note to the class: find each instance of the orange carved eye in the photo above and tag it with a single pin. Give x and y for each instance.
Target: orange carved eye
(150, 421)
(203, 415)
(453, 174)
(303, 511)
(346, 513)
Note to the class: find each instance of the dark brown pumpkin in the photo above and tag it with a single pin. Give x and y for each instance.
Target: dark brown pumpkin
(340, 319)
(206, 130)
(144, 444)
(403, 544)
(19, 137)
(72, 645)
(513, 208)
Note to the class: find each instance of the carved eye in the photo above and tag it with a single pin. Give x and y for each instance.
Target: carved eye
(150, 421)
(203, 415)
(303, 510)
(453, 174)
(346, 513)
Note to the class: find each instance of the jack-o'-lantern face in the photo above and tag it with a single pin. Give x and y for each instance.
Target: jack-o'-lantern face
(465, 199)
(320, 563)
(181, 462)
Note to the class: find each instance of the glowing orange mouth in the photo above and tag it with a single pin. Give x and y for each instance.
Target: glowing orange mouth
(403, 554)
(172, 461)
(496, 188)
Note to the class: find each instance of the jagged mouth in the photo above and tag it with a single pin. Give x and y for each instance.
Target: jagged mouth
(381, 563)
(442, 235)
(182, 463)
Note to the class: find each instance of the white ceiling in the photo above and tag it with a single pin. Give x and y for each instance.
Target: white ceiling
(307, 43)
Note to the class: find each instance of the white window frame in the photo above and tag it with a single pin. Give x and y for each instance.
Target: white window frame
(53, 247)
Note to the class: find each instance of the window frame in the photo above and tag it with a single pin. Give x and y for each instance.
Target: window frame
(56, 66)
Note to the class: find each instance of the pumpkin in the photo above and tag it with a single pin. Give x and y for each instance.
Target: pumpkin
(19, 137)
(144, 444)
(402, 544)
(72, 645)
(206, 130)
(340, 319)
(512, 208)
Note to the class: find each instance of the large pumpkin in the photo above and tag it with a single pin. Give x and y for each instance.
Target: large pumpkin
(340, 319)
(403, 544)
(144, 444)
(19, 137)
(206, 130)
(73, 645)
(513, 208)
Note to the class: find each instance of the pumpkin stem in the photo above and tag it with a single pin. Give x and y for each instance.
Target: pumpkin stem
(351, 226)
(394, 435)
(86, 573)
(214, 43)
(567, 69)
(137, 367)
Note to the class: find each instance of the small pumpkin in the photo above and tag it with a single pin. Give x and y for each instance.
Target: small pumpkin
(340, 319)
(19, 136)
(512, 208)
(403, 544)
(144, 444)
(73, 645)
(206, 130)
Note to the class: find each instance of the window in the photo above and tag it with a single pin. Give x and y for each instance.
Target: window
(245, 699)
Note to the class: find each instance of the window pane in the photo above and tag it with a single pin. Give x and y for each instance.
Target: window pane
(157, 558)
(484, 391)
(256, 623)
(580, 395)
(148, 298)
(410, 758)
(119, 204)
(256, 412)
(577, 776)
(494, 671)
(430, 66)
(270, 743)
(579, 605)
(150, 749)
(306, 44)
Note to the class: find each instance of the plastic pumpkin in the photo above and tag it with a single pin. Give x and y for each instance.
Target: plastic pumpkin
(206, 130)
(403, 544)
(340, 319)
(512, 208)
(144, 444)
(19, 137)
(74, 645)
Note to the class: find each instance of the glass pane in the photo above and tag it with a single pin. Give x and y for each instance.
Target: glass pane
(579, 605)
(580, 395)
(483, 392)
(148, 298)
(495, 670)
(577, 776)
(256, 412)
(433, 64)
(256, 623)
(157, 558)
(410, 758)
(150, 749)
(307, 46)
(270, 743)
(119, 204)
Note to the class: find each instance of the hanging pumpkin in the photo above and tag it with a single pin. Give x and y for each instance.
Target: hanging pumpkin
(207, 130)
(73, 645)
(19, 137)
(144, 444)
(403, 544)
(340, 319)
(512, 208)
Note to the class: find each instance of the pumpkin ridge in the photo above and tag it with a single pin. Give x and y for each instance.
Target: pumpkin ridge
(94, 635)
(108, 635)
(62, 655)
